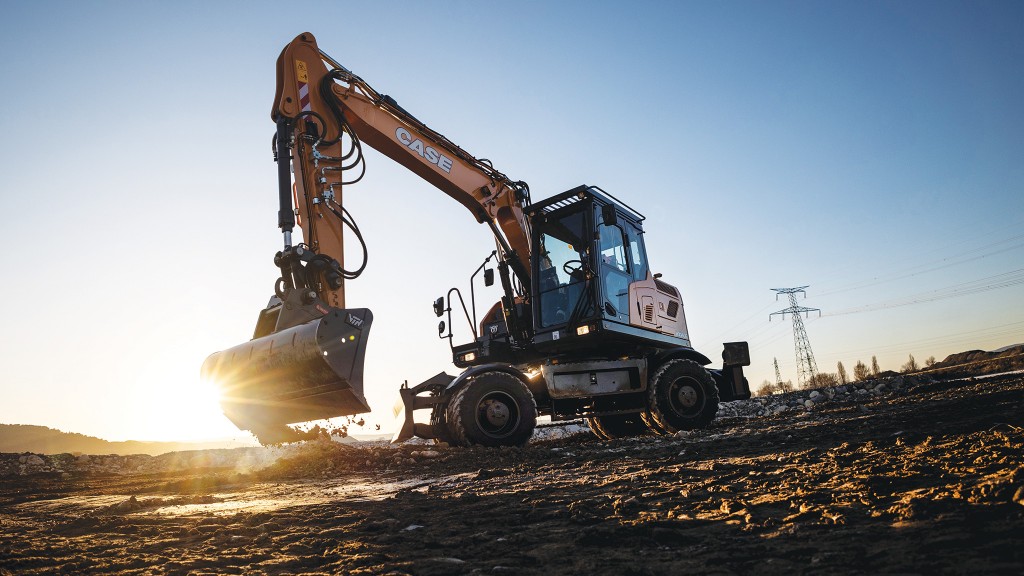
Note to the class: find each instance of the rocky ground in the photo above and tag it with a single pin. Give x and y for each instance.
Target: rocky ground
(897, 476)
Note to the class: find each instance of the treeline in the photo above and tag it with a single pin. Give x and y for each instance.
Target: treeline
(861, 372)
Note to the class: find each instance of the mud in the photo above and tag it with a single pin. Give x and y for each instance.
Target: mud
(929, 480)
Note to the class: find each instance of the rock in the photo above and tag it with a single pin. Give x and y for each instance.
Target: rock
(129, 505)
(815, 394)
(622, 505)
(411, 527)
(809, 403)
(34, 460)
(881, 388)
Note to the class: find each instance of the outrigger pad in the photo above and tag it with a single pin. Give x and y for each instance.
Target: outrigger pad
(306, 372)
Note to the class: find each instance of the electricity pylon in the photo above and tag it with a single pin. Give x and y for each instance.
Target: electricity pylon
(806, 368)
(778, 376)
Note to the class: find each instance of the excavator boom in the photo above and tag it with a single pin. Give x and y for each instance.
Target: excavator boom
(305, 360)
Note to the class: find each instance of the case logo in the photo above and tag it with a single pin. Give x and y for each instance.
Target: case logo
(428, 153)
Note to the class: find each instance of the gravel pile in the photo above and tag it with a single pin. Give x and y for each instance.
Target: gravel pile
(808, 400)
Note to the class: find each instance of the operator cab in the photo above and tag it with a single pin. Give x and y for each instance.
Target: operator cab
(592, 292)
(590, 272)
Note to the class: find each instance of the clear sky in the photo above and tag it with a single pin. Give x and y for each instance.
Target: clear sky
(871, 150)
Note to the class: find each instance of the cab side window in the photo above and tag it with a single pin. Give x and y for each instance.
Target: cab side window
(615, 265)
(637, 253)
(613, 248)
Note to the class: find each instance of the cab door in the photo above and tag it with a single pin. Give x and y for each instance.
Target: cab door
(615, 271)
(561, 267)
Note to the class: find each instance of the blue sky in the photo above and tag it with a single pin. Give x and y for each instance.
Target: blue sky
(871, 150)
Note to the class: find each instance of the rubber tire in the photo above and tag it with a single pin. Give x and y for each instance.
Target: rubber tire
(463, 412)
(668, 413)
(618, 426)
(441, 428)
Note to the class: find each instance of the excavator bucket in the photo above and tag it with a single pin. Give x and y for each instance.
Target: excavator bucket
(306, 372)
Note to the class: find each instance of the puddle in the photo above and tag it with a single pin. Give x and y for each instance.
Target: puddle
(253, 499)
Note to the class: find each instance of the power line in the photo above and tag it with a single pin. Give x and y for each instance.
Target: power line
(954, 260)
(1005, 244)
(1012, 332)
(1004, 280)
(938, 257)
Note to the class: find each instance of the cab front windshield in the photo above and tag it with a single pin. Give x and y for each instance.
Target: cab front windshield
(564, 257)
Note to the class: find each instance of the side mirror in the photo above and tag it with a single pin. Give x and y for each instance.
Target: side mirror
(608, 213)
(488, 276)
(440, 328)
(656, 276)
(439, 307)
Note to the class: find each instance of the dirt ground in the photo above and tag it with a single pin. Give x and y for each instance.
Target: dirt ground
(927, 481)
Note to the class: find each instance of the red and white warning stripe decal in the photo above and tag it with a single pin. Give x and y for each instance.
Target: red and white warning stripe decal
(304, 96)
(302, 76)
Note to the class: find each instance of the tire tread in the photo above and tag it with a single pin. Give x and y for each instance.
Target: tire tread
(453, 414)
(657, 416)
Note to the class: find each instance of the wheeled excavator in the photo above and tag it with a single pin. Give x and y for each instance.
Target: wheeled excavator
(583, 330)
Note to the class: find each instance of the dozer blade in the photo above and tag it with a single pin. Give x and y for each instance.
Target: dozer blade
(306, 372)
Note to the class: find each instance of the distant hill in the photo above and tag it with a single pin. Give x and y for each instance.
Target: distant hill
(980, 362)
(1010, 347)
(42, 440)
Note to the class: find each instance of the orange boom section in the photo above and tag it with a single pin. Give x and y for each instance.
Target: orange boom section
(342, 111)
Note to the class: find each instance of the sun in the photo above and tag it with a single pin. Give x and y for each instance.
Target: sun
(176, 405)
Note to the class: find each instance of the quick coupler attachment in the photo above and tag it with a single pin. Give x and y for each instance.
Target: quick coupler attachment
(427, 394)
(306, 372)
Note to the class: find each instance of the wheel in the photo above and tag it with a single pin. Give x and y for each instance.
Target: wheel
(682, 396)
(492, 409)
(618, 426)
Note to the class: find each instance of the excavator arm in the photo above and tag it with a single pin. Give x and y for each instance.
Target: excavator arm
(305, 361)
(331, 113)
